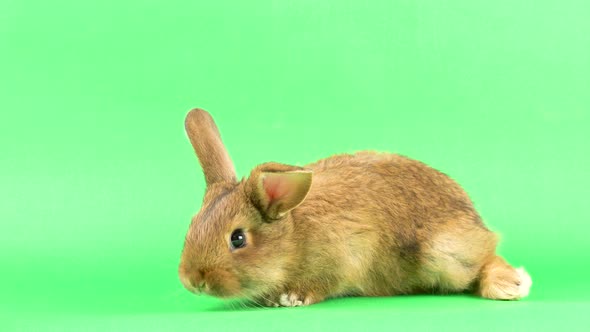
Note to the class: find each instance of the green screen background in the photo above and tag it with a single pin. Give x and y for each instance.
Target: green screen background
(98, 180)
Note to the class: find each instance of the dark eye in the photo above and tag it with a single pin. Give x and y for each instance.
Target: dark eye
(238, 239)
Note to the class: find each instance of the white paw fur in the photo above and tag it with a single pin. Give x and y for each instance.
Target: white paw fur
(514, 286)
(525, 282)
(292, 300)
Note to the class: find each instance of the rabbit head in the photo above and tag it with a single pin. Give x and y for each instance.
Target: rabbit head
(240, 244)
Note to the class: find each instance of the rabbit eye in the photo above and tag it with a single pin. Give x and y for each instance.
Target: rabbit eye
(238, 239)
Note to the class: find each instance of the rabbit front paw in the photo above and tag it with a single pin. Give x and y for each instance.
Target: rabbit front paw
(292, 299)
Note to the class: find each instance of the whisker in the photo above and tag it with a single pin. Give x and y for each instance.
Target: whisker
(251, 301)
(269, 301)
(242, 305)
(256, 303)
(231, 305)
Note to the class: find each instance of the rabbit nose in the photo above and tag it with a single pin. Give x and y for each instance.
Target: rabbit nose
(194, 282)
(200, 284)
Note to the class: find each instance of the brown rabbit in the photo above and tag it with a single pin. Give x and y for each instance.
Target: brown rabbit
(363, 224)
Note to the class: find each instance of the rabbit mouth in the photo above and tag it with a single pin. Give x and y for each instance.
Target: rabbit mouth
(218, 283)
(219, 291)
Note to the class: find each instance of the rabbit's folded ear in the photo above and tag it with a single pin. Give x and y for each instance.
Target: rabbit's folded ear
(206, 141)
(276, 189)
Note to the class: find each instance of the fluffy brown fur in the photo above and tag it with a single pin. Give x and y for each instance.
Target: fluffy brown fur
(364, 224)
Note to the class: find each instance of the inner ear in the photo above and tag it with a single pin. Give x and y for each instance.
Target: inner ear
(277, 190)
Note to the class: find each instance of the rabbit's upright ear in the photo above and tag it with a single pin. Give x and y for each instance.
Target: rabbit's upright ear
(276, 189)
(206, 141)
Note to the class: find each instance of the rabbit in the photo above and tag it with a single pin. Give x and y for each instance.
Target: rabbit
(362, 224)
